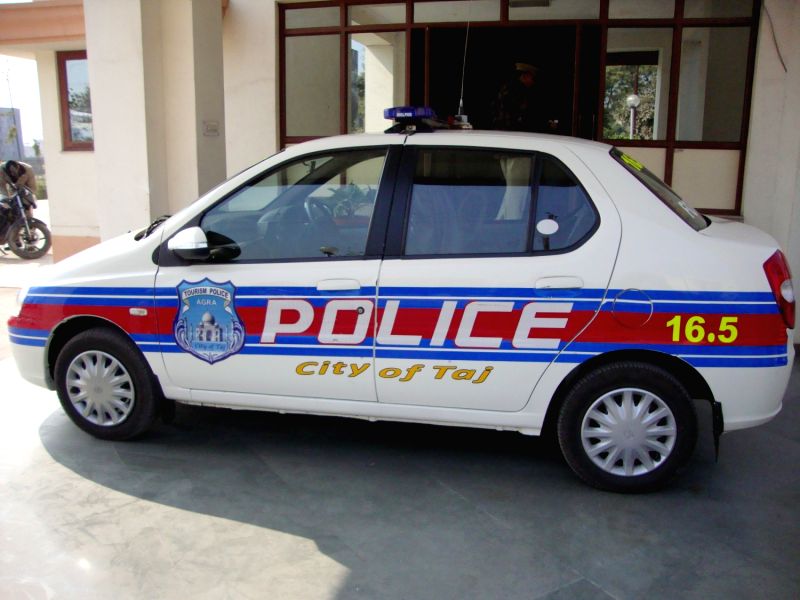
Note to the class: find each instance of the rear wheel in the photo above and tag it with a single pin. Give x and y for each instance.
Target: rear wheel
(105, 386)
(627, 427)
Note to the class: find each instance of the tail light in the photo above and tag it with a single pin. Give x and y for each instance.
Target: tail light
(780, 280)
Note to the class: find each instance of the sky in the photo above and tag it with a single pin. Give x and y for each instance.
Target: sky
(19, 88)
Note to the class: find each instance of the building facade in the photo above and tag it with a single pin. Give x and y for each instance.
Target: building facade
(147, 104)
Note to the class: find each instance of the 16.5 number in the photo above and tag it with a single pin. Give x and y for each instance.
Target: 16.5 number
(694, 331)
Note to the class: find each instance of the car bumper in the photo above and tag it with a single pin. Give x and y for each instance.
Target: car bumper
(31, 363)
(750, 397)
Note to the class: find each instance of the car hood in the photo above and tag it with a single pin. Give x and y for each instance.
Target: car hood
(108, 263)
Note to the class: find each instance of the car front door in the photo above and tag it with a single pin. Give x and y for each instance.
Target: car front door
(284, 305)
(496, 259)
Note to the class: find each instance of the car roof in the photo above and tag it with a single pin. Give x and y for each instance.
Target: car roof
(476, 137)
(485, 137)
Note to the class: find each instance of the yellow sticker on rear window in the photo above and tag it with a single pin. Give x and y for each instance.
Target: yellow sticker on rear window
(631, 162)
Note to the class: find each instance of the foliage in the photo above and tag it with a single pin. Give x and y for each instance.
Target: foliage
(11, 137)
(616, 114)
(41, 187)
(357, 95)
(80, 100)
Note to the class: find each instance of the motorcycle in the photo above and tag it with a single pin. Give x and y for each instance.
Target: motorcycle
(25, 236)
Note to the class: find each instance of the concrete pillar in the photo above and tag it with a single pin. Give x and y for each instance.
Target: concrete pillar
(155, 70)
(250, 38)
(116, 78)
(209, 93)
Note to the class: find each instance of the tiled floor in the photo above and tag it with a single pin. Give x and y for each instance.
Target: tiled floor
(251, 505)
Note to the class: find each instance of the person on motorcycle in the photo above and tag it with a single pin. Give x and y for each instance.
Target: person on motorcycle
(20, 175)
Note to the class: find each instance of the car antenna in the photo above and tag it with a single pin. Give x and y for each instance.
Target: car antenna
(461, 119)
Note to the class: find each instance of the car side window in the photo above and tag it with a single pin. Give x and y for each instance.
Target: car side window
(562, 204)
(315, 207)
(466, 201)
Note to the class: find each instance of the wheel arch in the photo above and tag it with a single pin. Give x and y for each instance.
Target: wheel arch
(686, 374)
(68, 329)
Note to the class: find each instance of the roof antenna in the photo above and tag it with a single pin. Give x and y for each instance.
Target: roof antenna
(461, 119)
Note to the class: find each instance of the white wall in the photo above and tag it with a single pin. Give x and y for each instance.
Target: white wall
(180, 135)
(692, 89)
(71, 177)
(154, 108)
(725, 86)
(185, 100)
(249, 38)
(771, 197)
(209, 93)
(157, 88)
(712, 85)
(116, 67)
(312, 85)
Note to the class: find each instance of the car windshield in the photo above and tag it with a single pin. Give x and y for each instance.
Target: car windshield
(665, 193)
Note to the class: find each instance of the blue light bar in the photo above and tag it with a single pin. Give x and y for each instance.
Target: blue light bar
(409, 112)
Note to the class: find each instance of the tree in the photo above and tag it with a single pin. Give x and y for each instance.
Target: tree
(620, 80)
(11, 136)
(80, 100)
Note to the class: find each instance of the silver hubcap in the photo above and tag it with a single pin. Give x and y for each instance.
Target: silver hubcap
(100, 388)
(628, 432)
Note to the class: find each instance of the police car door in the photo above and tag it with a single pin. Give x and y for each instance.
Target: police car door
(285, 303)
(496, 259)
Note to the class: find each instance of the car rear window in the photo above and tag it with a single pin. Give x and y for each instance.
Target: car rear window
(468, 201)
(662, 191)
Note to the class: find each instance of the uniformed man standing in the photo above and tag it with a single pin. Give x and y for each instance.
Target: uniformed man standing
(518, 107)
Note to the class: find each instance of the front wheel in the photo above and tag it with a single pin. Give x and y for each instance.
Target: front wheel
(31, 241)
(627, 427)
(105, 386)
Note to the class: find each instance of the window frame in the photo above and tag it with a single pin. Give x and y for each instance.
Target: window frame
(535, 200)
(677, 22)
(67, 143)
(398, 222)
(375, 234)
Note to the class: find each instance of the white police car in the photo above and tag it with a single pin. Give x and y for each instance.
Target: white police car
(483, 279)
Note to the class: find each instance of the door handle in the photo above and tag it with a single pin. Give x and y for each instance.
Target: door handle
(338, 285)
(559, 283)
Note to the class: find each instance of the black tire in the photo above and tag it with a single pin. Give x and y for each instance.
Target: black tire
(29, 247)
(88, 399)
(627, 452)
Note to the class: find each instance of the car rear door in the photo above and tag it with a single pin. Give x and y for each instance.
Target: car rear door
(496, 258)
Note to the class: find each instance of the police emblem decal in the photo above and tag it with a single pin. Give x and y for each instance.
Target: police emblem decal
(207, 324)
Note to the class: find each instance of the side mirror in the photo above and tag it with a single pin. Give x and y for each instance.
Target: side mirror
(190, 244)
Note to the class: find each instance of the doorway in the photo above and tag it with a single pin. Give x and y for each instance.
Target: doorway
(567, 87)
